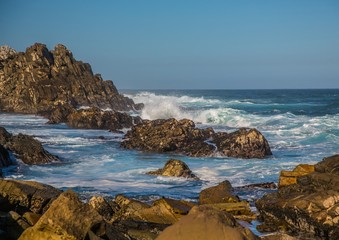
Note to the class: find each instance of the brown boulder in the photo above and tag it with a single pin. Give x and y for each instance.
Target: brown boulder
(244, 143)
(290, 177)
(310, 206)
(183, 137)
(175, 168)
(23, 196)
(67, 218)
(100, 205)
(204, 222)
(222, 193)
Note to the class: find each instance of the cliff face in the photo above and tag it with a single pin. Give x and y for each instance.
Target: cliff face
(37, 80)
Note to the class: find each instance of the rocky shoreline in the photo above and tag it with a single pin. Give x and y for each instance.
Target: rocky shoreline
(55, 85)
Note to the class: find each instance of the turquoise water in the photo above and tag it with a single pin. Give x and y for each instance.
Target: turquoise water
(302, 126)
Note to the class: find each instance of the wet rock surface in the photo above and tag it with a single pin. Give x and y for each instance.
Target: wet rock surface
(183, 137)
(38, 79)
(26, 148)
(309, 206)
(92, 118)
(175, 168)
(206, 223)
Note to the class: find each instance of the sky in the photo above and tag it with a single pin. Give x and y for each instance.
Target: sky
(191, 44)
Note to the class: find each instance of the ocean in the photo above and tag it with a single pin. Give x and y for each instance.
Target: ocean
(302, 126)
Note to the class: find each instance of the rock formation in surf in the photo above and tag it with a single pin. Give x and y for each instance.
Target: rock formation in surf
(308, 204)
(37, 80)
(183, 137)
(24, 147)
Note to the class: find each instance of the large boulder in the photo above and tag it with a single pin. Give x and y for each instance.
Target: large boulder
(26, 148)
(38, 79)
(23, 196)
(93, 118)
(204, 222)
(183, 137)
(174, 168)
(222, 193)
(310, 205)
(66, 218)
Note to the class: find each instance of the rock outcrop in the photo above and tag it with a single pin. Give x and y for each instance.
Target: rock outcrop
(183, 137)
(93, 118)
(5, 160)
(175, 168)
(23, 196)
(222, 193)
(66, 218)
(26, 148)
(6, 52)
(308, 205)
(204, 222)
(37, 80)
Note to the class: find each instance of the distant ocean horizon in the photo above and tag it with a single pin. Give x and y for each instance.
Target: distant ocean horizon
(301, 125)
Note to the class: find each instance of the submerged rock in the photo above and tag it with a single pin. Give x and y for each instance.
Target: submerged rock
(37, 80)
(183, 137)
(310, 205)
(204, 222)
(175, 168)
(26, 148)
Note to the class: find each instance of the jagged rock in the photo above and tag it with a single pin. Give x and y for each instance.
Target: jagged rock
(31, 218)
(309, 206)
(222, 193)
(100, 205)
(66, 218)
(12, 225)
(290, 177)
(37, 80)
(163, 211)
(93, 118)
(23, 196)
(204, 222)
(244, 143)
(26, 148)
(175, 168)
(169, 135)
(6, 52)
(183, 137)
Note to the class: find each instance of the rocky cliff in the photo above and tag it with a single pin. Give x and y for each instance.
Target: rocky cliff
(37, 80)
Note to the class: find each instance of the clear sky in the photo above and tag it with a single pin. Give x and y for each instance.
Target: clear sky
(192, 44)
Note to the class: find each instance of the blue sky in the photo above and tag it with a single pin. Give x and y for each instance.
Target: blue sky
(192, 44)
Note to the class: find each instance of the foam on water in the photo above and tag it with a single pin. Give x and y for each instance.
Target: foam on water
(91, 164)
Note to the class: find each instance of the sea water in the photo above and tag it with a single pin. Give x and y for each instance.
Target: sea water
(301, 126)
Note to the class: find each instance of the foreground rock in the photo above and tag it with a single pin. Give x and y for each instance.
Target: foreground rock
(175, 168)
(23, 196)
(183, 137)
(206, 223)
(26, 148)
(310, 205)
(69, 218)
(37, 80)
(92, 118)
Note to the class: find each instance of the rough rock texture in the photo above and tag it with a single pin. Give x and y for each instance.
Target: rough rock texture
(290, 177)
(267, 185)
(23, 196)
(244, 143)
(66, 218)
(6, 52)
(175, 168)
(38, 79)
(5, 160)
(26, 148)
(222, 193)
(100, 205)
(163, 211)
(204, 222)
(309, 206)
(183, 137)
(93, 118)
